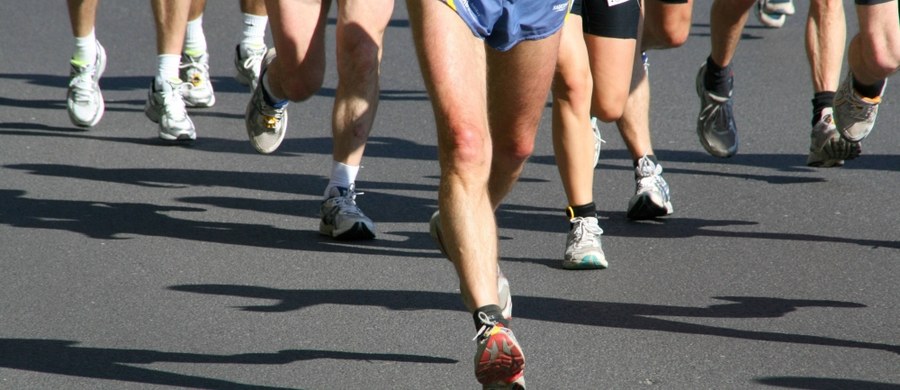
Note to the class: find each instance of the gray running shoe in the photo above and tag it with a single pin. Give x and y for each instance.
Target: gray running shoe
(84, 101)
(499, 361)
(651, 195)
(598, 140)
(715, 124)
(583, 250)
(194, 71)
(342, 219)
(503, 293)
(248, 65)
(855, 115)
(165, 105)
(826, 147)
(266, 125)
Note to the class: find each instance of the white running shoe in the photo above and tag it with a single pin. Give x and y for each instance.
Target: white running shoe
(165, 106)
(248, 64)
(651, 195)
(194, 71)
(583, 250)
(84, 101)
(826, 147)
(785, 7)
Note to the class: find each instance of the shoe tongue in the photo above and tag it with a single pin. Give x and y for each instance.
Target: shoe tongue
(645, 167)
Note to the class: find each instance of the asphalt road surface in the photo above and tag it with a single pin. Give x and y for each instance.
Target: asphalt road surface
(127, 264)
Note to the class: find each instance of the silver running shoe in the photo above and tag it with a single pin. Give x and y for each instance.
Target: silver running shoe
(84, 101)
(248, 64)
(855, 115)
(715, 124)
(651, 195)
(503, 293)
(266, 125)
(342, 219)
(583, 250)
(165, 106)
(598, 140)
(194, 71)
(826, 147)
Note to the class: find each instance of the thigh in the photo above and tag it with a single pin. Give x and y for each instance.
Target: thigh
(518, 85)
(452, 62)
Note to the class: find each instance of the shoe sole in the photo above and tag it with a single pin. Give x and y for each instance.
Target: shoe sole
(359, 231)
(644, 207)
(505, 369)
(586, 262)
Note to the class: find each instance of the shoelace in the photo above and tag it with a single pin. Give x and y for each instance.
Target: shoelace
(487, 324)
(254, 61)
(271, 116)
(585, 233)
(346, 204)
(172, 101)
(83, 84)
(195, 70)
(649, 176)
(861, 109)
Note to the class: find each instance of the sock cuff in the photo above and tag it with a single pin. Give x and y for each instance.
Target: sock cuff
(583, 211)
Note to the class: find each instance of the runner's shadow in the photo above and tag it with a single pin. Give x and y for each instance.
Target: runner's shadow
(64, 357)
(807, 383)
(632, 316)
(122, 221)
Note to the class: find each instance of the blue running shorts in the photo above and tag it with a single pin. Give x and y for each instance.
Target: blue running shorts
(504, 23)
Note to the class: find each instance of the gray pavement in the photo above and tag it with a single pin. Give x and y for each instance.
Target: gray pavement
(127, 264)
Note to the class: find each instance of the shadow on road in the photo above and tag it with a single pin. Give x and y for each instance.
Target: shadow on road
(604, 314)
(794, 382)
(64, 357)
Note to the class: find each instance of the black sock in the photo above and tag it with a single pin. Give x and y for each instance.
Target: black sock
(649, 156)
(869, 91)
(493, 314)
(583, 211)
(717, 79)
(821, 101)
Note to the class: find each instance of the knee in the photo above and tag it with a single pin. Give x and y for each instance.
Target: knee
(574, 86)
(464, 148)
(609, 109)
(675, 36)
(299, 85)
(514, 153)
(358, 55)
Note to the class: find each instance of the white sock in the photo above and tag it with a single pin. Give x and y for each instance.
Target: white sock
(85, 49)
(167, 67)
(194, 38)
(342, 175)
(254, 33)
